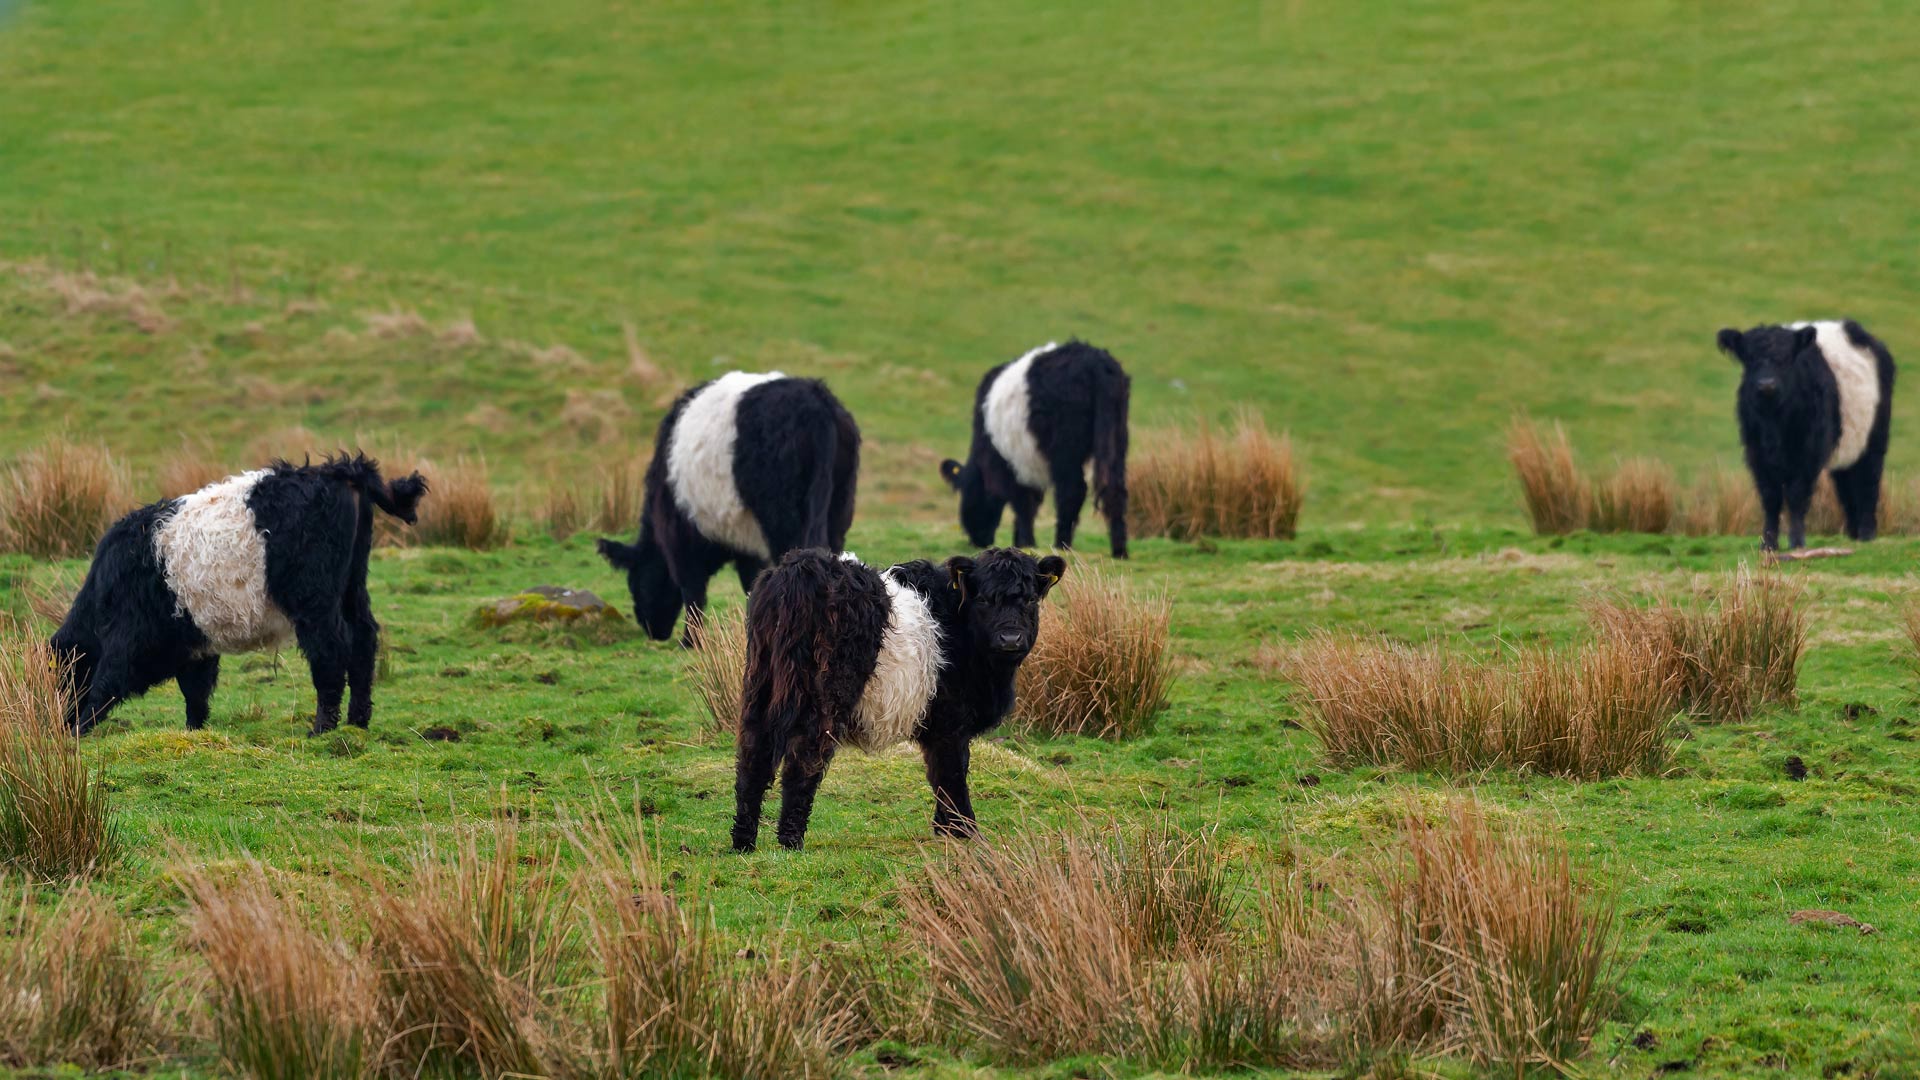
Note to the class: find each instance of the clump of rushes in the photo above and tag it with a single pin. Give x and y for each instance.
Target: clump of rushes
(718, 664)
(1722, 503)
(75, 987)
(459, 509)
(1558, 496)
(55, 816)
(1740, 650)
(1638, 496)
(58, 498)
(1100, 666)
(1191, 484)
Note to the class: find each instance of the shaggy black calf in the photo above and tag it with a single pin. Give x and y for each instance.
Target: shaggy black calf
(1036, 423)
(745, 469)
(839, 653)
(242, 565)
(1813, 397)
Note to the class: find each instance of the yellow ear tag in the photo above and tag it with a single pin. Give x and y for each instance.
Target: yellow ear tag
(1052, 580)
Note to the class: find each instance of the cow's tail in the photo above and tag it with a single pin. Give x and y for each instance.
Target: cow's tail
(1110, 453)
(401, 498)
(790, 623)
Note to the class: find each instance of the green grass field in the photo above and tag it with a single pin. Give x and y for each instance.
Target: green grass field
(1386, 227)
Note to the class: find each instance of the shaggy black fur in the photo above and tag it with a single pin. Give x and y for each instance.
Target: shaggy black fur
(1789, 411)
(1077, 409)
(126, 632)
(814, 626)
(796, 462)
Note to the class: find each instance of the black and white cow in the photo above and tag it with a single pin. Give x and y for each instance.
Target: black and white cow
(246, 564)
(746, 468)
(840, 653)
(1037, 421)
(1813, 397)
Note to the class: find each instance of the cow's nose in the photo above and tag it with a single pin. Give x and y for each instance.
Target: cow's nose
(1769, 387)
(1009, 642)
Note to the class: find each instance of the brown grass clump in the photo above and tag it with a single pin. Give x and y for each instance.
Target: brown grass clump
(562, 510)
(295, 444)
(86, 294)
(1637, 497)
(188, 469)
(1203, 484)
(611, 505)
(1100, 666)
(467, 952)
(74, 986)
(1557, 494)
(288, 1002)
(50, 595)
(622, 485)
(55, 817)
(1730, 657)
(1481, 942)
(459, 509)
(1722, 503)
(1601, 711)
(680, 1002)
(718, 664)
(57, 499)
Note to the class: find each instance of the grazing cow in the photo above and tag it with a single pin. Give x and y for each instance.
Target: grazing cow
(839, 653)
(1036, 422)
(745, 469)
(239, 566)
(1813, 396)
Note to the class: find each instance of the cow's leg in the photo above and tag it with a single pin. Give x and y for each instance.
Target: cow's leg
(947, 762)
(1070, 494)
(800, 778)
(1026, 506)
(693, 595)
(363, 657)
(754, 761)
(197, 681)
(328, 645)
(748, 568)
(1859, 492)
(1772, 496)
(1799, 495)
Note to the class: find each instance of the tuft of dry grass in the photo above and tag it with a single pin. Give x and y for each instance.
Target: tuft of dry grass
(295, 444)
(1722, 503)
(622, 484)
(562, 509)
(55, 816)
(74, 986)
(718, 664)
(459, 511)
(188, 469)
(680, 1002)
(50, 595)
(1100, 666)
(1600, 711)
(1186, 485)
(288, 1002)
(1638, 496)
(467, 953)
(611, 504)
(58, 498)
(1740, 651)
(1481, 942)
(1557, 494)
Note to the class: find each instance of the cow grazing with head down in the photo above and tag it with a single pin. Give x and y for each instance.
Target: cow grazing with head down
(1037, 421)
(746, 468)
(1813, 397)
(248, 563)
(840, 653)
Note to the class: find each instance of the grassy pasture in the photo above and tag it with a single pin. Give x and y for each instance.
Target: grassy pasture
(510, 232)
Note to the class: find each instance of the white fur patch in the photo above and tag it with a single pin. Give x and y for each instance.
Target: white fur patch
(905, 675)
(1008, 423)
(700, 464)
(214, 558)
(1858, 375)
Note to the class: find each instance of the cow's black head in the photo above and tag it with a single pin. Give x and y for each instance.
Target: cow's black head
(1000, 591)
(1769, 357)
(979, 509)
(656, 599)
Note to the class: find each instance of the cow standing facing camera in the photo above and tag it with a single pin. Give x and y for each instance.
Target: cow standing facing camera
(252, 562)
(746, 468)
(838, 652)
(1813, 397)
(1037, 421)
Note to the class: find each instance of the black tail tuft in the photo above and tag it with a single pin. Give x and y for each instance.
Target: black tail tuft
(401, 499)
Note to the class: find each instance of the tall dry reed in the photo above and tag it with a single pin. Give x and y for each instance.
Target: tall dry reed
(1185, 485)
(1638, 496)
(56, 818)
(717, 664)
(75, 986)
(1722, 503)
(459, 510)
(58, 498)
(1738, 651)
(1100, 666)
(1558, 495)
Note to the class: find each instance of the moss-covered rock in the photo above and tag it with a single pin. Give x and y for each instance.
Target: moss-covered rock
(547, 603)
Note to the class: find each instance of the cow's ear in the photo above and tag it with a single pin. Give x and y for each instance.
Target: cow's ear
(1729, 340)
(1052, 569)
(1803, 339)
(959, 577)
(950, 472)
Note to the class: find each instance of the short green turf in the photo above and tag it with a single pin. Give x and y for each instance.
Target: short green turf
(1386, 227)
